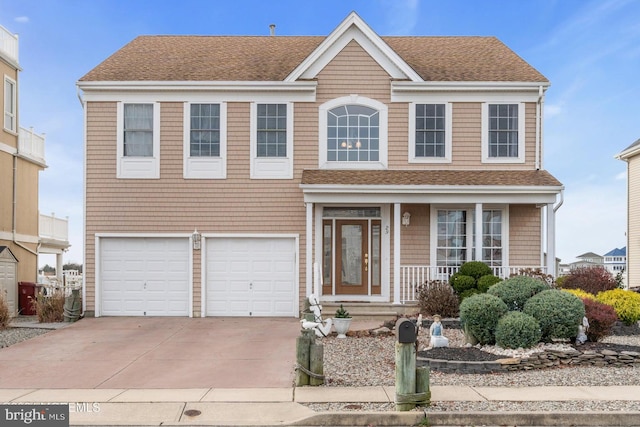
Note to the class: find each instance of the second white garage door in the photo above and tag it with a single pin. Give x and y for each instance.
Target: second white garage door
(251, 277)
(144, 276)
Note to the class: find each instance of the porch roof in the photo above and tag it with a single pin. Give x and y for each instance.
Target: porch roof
(430, 186)
(447, 178)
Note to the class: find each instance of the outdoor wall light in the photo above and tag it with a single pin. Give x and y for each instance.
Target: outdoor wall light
(406, 219)
(196, 239)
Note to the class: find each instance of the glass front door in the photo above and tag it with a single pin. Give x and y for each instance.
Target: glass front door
(351, 261)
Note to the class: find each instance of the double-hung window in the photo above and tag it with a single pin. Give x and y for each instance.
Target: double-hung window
(454, 236)
(205, 146)
(138, 140)
(272, 140)
(430, 133)
(10, 105)
(503, 133)
(353, 133)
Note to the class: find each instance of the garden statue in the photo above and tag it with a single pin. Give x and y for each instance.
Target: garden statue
(582, 331)
(436, 329)
(321, 328)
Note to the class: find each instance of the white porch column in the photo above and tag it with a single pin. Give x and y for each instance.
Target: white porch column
(477, 256)
(309, 249)
(396, 253)
(551, 240)
(59, 267)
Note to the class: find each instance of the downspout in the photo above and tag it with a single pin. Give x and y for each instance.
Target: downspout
(539, 106)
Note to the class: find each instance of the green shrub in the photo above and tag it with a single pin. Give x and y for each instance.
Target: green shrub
(559, 313)
(560, 281)
(468, 293)
(475, 269)
(601, 318)
(625, 303)
(536, 273)
(438, 297)
(516, 329)
(516, 290)
(461, 282)
(485, 282)
(590, 279)
(479, 315)
(5, 314)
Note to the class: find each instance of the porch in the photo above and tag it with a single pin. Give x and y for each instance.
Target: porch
(53, 239)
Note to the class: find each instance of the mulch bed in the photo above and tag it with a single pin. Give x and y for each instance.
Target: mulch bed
(472, 354)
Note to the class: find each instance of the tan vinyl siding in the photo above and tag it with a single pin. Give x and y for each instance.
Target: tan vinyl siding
(415, 238)
(633, 211)
(27, 217)
(524, 235)
(466, 135)
(175, 205)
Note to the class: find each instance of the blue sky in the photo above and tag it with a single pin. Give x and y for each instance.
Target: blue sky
(589, 50)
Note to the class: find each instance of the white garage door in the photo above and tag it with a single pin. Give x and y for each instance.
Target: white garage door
(144, 276)
(251, 277)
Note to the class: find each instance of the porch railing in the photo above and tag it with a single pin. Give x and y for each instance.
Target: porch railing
(8, 44)
(31, 144)
(54, 228)
(412, 276)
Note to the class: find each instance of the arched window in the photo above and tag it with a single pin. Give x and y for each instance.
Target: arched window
(353, 133)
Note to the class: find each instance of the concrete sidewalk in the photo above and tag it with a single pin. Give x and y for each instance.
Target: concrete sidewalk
(285, 406)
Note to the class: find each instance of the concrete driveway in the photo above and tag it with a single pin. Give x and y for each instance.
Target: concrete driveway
(131, 352)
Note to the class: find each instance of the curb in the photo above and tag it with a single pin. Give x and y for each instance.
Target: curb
(412, 418)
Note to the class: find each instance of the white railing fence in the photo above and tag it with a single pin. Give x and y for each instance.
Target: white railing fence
(413, 276)
(31, 144)
(8, 44)
(54, 228)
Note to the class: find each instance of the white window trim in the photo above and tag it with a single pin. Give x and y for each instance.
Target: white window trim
(205, 167)
(14, 106)
(138, 167)
(271, 167)
(433, 233)
(383, 146)
(448, 129)
(485, 134)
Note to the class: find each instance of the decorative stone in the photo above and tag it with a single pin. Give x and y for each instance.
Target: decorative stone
(381, 331)
(608, 352)
(509, 361)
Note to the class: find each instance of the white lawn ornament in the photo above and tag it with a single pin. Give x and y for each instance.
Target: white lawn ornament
(321, 328)
(582, 331)
(436, 330)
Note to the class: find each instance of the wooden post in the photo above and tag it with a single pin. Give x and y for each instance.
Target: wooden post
(405, 374)
(422, 384)
(303, 344)
(316, 363)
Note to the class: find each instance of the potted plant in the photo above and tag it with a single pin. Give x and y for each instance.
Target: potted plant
(341, 321)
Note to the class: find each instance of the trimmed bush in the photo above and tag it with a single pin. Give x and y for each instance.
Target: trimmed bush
(516, 290)
(601, 318)
(475, 269)
(479, 315)
(461, 282)
(438, 297)
(468, 293)
(5, 314)
(516, 329)
(625, 303)
(581, 294)
(485, 282)
(560, 280)
(590, 279)
(536, 273)
(559, 313)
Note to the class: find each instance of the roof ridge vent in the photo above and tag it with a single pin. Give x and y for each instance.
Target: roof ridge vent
(272, 29)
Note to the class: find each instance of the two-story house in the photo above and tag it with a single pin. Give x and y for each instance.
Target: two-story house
(21, 160)
(223, 172)
(630, 156)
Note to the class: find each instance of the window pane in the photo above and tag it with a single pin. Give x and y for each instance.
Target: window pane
(271, 130)
(138, 130)
(503, 130)
(430, 134)
(356, 127)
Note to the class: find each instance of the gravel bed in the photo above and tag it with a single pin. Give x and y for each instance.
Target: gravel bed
(12, 336)
(370, 361)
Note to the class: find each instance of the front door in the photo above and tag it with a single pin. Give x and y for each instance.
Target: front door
(352, 257)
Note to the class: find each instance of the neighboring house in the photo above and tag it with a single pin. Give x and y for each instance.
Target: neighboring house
(221, 170)
(21, 160)
(616, 260)
(630, 155)
(589, 259)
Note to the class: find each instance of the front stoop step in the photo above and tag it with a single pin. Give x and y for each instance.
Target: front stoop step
(371, 311)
